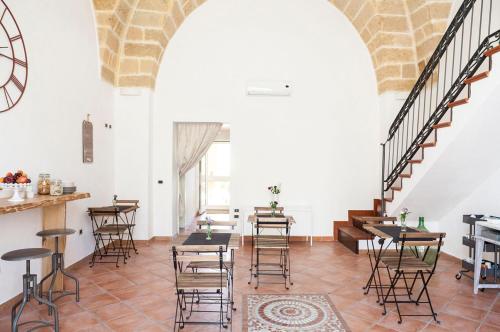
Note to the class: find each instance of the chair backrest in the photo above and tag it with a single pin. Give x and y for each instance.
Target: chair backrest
(423, 239)
(268, 210)
(280, 224)
(221, 224)
(185, 254)
(127, 202)
(103, 211)
(101, 215)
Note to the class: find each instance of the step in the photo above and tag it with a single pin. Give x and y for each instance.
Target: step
(405, 176)
(458, 102)
(492, 51)
(389, 200)
(442, 125)
(415, 161)
(477, 77)
(427, 145)
(397, 188)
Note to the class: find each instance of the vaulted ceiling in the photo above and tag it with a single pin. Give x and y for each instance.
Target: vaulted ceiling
(399, 34)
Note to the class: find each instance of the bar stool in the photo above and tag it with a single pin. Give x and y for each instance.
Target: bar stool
(58, 265)
(30, 288)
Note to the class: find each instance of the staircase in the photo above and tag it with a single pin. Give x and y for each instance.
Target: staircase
(463, 57)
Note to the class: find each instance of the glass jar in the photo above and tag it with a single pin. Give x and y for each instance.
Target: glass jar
(44, 184)
(56, 188)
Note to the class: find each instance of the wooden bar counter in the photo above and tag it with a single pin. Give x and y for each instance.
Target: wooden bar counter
(53, 216)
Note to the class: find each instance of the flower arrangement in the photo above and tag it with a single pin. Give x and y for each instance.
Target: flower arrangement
(209, 222)
(404, 213)
(275, 193)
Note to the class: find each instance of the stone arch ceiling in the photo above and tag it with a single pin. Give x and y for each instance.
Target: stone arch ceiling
(399, 34)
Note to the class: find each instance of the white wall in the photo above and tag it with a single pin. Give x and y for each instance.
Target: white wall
(132, 143)
(43, 132)
(483, 200)
(321, 143)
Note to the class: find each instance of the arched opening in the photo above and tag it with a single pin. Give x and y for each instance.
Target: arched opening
(308, 141)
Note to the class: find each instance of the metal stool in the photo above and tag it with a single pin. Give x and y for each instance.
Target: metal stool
(30, 288)
(58, 265)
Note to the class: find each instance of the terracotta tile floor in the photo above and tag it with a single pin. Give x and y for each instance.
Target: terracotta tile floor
(139, 296)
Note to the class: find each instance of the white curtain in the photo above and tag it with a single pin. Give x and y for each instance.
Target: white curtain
(193, 141)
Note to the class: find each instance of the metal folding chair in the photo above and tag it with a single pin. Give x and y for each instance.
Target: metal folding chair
(272, 245)
(197, 289)
(109, 235)
(418, 268)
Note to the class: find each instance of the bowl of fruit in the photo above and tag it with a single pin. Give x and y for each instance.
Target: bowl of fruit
(16, 182)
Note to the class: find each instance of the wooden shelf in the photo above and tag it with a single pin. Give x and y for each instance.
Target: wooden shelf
(38, 201)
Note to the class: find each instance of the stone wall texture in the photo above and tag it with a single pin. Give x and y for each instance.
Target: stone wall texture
(399, 34)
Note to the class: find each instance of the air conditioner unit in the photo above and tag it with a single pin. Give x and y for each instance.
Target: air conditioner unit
(269, 88)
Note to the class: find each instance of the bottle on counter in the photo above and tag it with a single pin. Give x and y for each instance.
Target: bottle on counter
(44, 184)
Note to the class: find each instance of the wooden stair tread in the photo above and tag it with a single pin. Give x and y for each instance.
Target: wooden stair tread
(477, 77)
(441, 125)
(427, 145)
(396, 188)
(407, 176)
(415, 161)
(355, 233)
(388, 200)
(492, 51)
(458, 102)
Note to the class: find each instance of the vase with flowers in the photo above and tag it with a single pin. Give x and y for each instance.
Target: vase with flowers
(209, 222)
(402, 216)
(275, 193)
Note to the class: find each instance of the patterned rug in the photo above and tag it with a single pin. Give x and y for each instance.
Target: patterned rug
(297, 312)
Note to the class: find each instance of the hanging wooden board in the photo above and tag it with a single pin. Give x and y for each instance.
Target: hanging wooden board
(88, 142)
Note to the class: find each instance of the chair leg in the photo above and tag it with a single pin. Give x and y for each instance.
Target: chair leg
(434, 315)
(289, 260)
(75, 279)
(51, 290)
(17, 315)
(257, 268)
(52, 307)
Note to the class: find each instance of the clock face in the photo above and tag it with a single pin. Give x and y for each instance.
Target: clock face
(13, 60)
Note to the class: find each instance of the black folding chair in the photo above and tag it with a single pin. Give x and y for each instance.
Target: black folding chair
(418, 268)
(199, 289)
(109, 236)
(126, 207)
(273, 245)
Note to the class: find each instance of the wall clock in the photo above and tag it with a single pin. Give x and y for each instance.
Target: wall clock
(13, 60)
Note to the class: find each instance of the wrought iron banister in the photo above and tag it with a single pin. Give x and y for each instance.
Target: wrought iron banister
(440, 83)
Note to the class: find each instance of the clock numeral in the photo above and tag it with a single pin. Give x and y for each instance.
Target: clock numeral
(15, 38)
(16, 82)
(8, 98)
(20, 62)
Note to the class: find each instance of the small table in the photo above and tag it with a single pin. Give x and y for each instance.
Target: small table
(480, 240)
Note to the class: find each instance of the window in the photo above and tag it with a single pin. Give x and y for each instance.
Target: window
(215, 170)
